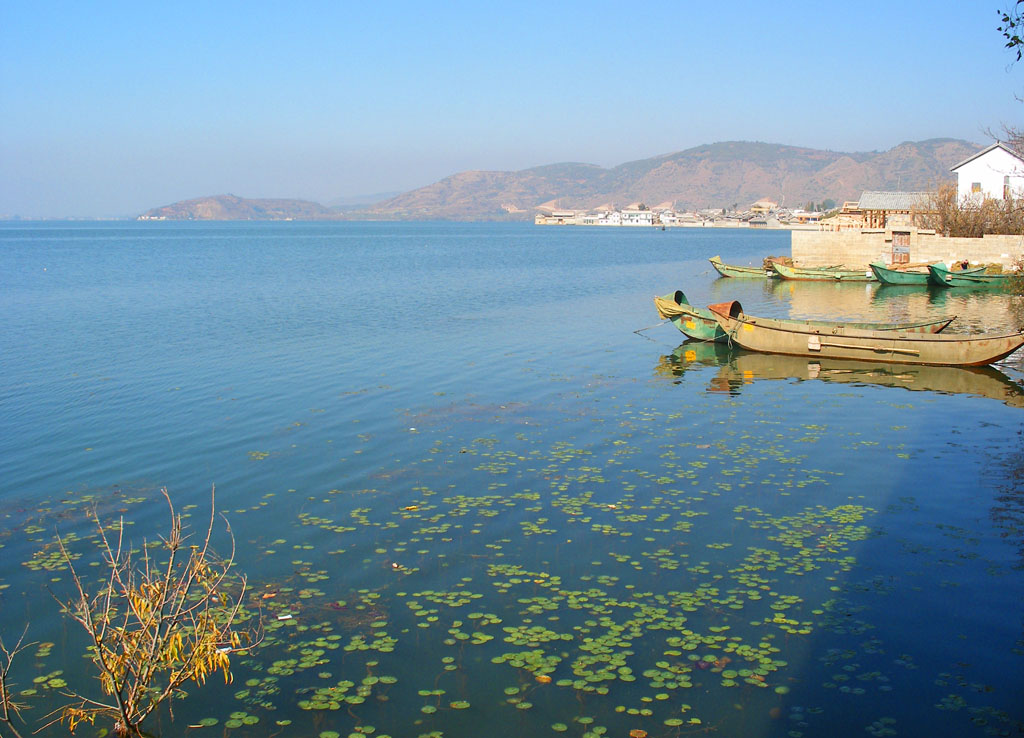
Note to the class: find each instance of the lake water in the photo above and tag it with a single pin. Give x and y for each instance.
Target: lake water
(491, 504)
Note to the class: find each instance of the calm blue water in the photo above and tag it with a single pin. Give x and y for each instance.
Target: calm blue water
(431, 438)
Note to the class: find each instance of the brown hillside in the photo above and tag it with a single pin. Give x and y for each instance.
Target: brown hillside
(721, 175)
(232, 207)
(716, 175)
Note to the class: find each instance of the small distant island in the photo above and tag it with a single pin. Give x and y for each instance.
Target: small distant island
(720, 176)
(232, 207)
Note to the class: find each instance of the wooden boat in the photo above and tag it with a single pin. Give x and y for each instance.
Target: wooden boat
(939, 275)
(701, 325)
(823, 274)
(740, 272)
(771, 336)
(692, 321)
(916, 276)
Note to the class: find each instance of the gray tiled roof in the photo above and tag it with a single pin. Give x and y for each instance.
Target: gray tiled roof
(892, 200)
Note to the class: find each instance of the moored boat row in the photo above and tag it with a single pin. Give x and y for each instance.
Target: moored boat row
(934, 274)
(941, 276)
(784, 271)
(887, 343)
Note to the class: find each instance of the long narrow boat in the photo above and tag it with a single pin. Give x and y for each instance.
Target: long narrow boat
(700, 324)
(939, 275)
(918, 277)
(823, 274)
(767, 335)
(741, 272)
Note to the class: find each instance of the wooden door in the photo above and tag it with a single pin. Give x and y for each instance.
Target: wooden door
(900, 247)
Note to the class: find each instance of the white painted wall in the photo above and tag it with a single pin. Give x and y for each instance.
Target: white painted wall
(637, 218)
(989, 171)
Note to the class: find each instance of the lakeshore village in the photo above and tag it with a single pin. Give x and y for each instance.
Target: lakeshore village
(895, 229)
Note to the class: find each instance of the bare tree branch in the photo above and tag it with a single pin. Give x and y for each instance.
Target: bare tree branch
(157, 623)
(9, 709)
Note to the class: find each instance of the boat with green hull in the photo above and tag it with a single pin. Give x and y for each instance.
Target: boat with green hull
(700, 324)
(940, 276)
(768, 335)
(916, 276)
(823, 274)
(739, 272)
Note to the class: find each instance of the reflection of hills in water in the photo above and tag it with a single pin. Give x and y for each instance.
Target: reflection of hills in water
(737, 368)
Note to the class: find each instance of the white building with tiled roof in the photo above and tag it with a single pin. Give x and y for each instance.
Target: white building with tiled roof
(995, 172)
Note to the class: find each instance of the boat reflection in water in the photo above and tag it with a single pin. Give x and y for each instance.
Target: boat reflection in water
(694, 354)
(929, 294)
(738, 368)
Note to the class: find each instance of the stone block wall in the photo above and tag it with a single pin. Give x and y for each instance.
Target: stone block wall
(856, 249)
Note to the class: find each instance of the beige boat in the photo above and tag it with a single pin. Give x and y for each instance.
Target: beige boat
(771, 336)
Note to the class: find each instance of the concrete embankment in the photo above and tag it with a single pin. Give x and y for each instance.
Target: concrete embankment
(857, 249)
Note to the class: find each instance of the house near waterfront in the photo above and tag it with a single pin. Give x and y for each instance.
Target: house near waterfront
(882, 225)
(849, 218)
(888, 209)
(637, 218)
(603, 218)
(557, 217)
(764, 206)
(803, 217)
(995, 172)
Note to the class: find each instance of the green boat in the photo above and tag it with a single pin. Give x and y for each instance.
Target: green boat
(885, 275)
(693, 322)
(700, 324)
(740, 272)
(939, 275)
(823, 274)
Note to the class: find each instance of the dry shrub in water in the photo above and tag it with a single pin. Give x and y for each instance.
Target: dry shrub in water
(156, 621)
(9, 709)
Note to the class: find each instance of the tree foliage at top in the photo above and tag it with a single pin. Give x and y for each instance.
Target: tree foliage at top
(1012, 27)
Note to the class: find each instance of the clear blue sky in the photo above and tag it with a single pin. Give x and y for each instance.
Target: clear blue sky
(115, 107)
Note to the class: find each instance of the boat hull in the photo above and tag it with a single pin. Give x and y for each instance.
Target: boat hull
(693, 322)
(771, 336)
(942, 277)
(701, 324)
(894, 276)
(739, 272)
(918, 278)
(808, 274)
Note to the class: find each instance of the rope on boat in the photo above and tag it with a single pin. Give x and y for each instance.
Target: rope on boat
(638, 330)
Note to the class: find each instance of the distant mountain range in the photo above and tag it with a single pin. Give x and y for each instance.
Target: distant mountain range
(232, 207)
(731, 175)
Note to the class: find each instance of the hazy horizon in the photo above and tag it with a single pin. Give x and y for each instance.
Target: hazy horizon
(114, 110)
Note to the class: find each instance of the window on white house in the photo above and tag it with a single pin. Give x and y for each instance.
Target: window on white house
(975, 187)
